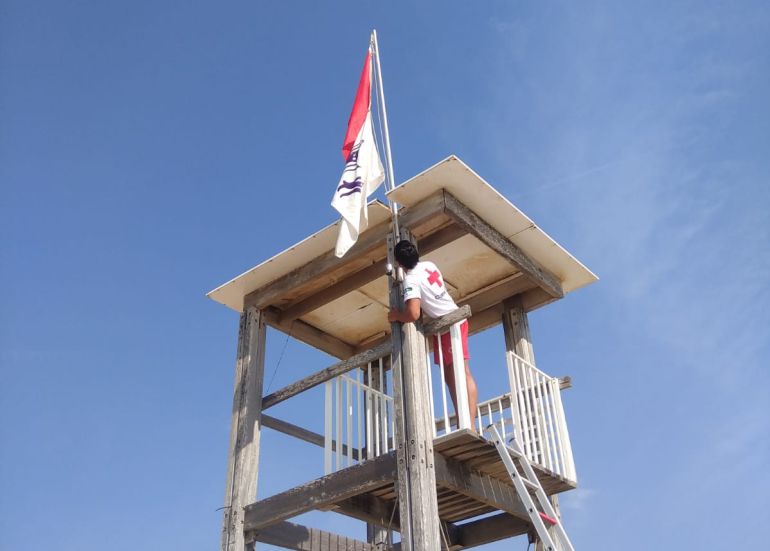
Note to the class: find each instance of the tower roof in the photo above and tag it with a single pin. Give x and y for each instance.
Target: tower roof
(486, 248)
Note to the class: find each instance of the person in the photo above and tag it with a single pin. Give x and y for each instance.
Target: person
(425, 290)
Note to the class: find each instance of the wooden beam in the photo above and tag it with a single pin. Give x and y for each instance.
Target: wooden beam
(496, 293)
(310, 335)
(440, 324)
(487, 530)
(243, 456)
(302, 538)
(302, 434)
(455, 476)
(322, 492)
(372, 510)
(536, 298)
(410, 217)
(367, 275)
(335, 291)
(496, 241)
(326, 375)
(485, 319)
(272, 292)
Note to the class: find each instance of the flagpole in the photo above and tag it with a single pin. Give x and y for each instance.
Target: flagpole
(388, 156)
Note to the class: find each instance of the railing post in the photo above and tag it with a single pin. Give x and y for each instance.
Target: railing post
(461, 388)
(243, 458)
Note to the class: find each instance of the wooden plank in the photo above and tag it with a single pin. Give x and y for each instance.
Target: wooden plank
(487, 530)
(316, 268)
(485, 319)
(410, 217)
(372, 510)
(321, 492)
(310, 335)
(243, 455)
(483, 488)
(326, 374)
(366, 275)
(335, 291)
(496, 241)
(301, 433)
(399, 421)
(438, 325)
(536, 298)
(302, 538)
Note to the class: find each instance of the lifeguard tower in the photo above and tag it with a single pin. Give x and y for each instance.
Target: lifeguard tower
(395, 454)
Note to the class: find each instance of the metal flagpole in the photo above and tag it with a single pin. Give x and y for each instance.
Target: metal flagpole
(388, 156)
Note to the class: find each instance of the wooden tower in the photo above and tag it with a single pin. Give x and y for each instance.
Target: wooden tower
(395, 455)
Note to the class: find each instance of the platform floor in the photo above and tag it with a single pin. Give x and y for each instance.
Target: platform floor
(477, 454)
(471, 481)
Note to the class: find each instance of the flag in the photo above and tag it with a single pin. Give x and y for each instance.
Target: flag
(363, 171)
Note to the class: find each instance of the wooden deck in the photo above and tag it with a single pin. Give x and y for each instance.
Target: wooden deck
(471, 481)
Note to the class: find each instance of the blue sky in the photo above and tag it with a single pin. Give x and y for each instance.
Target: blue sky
(150, 151)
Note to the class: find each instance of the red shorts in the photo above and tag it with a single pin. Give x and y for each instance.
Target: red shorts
(446, 345)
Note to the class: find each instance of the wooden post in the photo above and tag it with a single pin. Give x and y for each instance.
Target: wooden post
(518, 339)
(418, 505)
(243, 457)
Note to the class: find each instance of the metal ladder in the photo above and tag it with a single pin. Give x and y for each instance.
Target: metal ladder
(523, 485)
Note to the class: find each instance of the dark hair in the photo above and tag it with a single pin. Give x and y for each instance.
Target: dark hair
(406, 254)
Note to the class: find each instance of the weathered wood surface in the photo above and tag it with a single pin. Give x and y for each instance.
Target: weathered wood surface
(496, 241)
(415, 443)
(270, 293)
(444, 322)
(310, 335)
(366, 275)
(399, 424)
(243, 457)
(374, 511)
(481, 455)
(482, 488)
(487, 530)
(322, 492)
(302, 538)
(326, 374)
(302, 434)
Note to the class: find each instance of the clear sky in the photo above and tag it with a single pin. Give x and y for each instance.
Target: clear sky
(150, 151)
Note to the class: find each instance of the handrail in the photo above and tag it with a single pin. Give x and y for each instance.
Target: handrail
(438, 325)
(340, 368)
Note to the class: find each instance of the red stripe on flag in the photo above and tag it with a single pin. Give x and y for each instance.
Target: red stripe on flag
(360, 109)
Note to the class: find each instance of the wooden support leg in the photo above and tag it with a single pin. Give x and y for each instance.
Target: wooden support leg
(243, 457)
(418, 505)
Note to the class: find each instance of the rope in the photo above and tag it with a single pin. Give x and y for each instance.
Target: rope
(291, 327)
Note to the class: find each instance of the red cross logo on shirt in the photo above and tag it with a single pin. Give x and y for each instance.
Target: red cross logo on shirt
(434, 277)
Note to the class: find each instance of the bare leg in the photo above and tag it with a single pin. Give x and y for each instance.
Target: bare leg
(473, 395)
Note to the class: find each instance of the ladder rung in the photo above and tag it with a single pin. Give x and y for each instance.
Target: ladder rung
(549, 520)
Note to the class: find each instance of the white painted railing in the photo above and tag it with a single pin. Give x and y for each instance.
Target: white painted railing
(359, 417)
(458, 369)
(532, 412)
(358, 420)
(538, 415)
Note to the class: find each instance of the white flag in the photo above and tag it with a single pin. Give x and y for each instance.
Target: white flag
(363, 172)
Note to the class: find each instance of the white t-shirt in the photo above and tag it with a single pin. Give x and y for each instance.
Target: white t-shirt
(425, 282)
